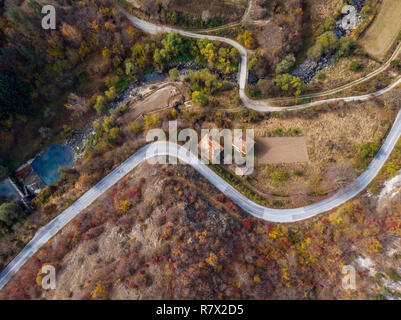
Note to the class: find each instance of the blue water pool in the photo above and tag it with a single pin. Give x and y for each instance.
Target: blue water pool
(7, 190)
(48, 164)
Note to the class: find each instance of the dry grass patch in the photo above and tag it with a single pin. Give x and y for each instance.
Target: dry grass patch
(230, 9)
(333, 140)
(278, 150)
(270, 39)
(379, 38)
(157, 100)
(318, 11)
(340, 74)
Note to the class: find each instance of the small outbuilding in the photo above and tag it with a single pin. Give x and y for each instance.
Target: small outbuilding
(210, 149)
(243, 143)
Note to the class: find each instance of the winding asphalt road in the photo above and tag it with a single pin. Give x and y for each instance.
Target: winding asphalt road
(170, 149)
(266, 105)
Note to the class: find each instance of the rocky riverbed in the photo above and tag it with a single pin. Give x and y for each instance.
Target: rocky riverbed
(307, 70)
(79, 139)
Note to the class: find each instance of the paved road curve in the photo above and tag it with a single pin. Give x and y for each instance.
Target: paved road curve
(162, 149)
(266, 105)
(171, 149)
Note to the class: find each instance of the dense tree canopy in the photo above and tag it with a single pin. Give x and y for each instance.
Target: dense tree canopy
(325, 43)
(15, 96)
(204, 81)
(10, 212)
(287, 82)
(286, 64)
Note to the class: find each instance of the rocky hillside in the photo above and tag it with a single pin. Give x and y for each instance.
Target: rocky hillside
(192, 14)
(164, 232)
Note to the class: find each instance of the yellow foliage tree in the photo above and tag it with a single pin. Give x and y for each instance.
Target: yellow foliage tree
(125, 205)
(99, 292)
(285, 274)
(150, 121)
(71, 33)
(375, 245)
(212, 260)
(94, 25)
(246, 39)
